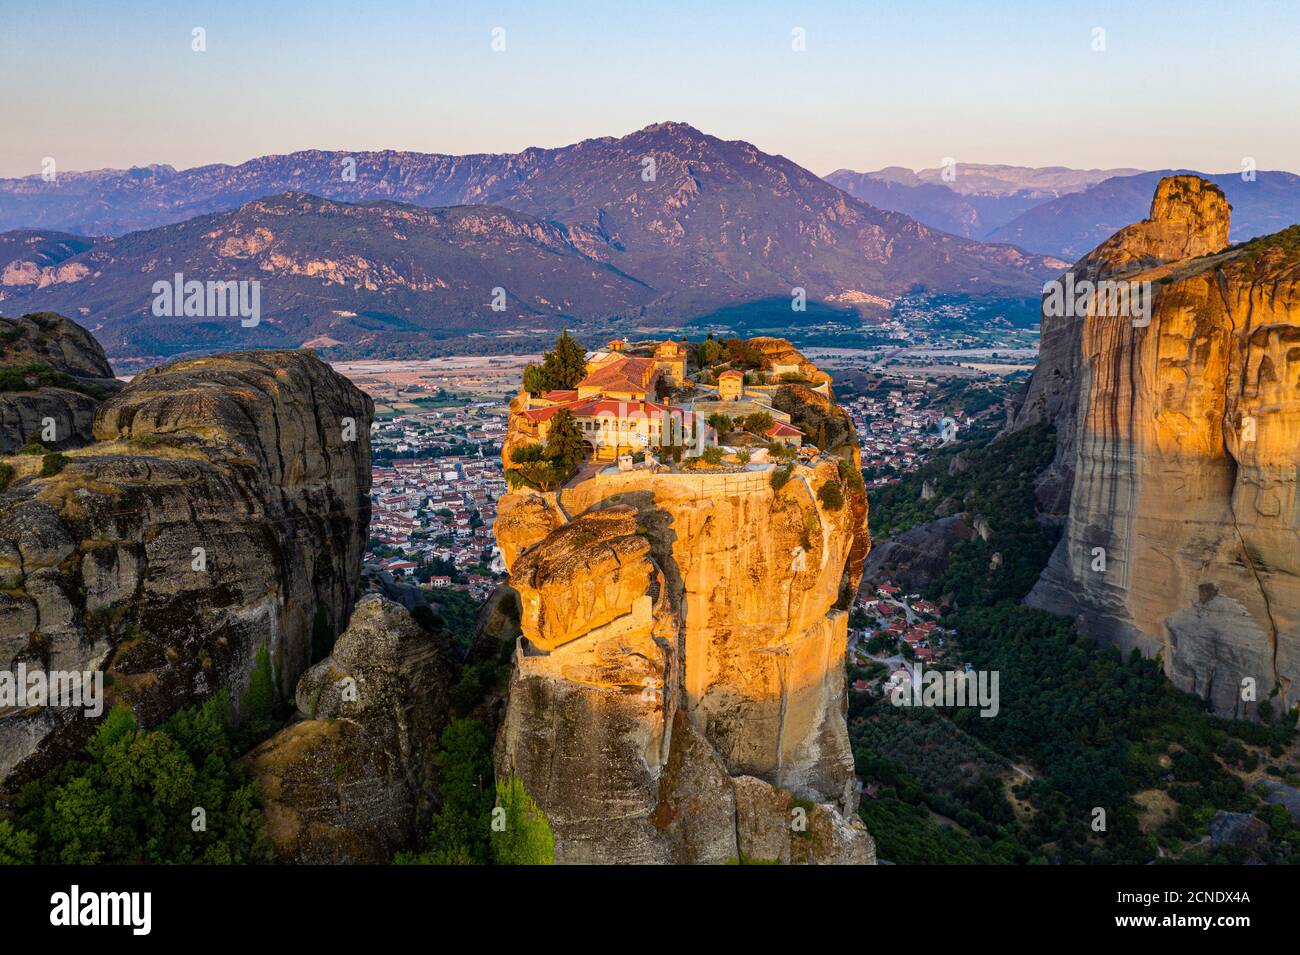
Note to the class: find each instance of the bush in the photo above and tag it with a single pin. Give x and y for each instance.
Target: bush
(830, 495)
(525, 837)
(852, 476)
(758, 423)
(780, 477)
(32, 445)
(711, 455)
(526, 453)
(781, 451)
(6, 475)
(52, 463)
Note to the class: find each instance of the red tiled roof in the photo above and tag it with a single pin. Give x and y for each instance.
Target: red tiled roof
(545, 414)
(626, 374)
(782, 430)
(561, 394)
(732, 373)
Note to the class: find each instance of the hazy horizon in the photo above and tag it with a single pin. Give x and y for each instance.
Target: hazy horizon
(1186, 86)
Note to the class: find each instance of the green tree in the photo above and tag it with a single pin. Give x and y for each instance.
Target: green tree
(758, 422)
(535, 379)
(743, 354)
(259, 700)
(564, 442)
(130, 798)
(459, 831)
(708, 352)
(524, 836)
(17, 846)
(564, 365)
(33, 445)
(719, 422)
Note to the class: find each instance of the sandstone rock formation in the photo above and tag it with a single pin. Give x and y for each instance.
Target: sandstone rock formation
(221, 511)
(352, 781)
(81, 381)
(1177, 451)
(679, 689)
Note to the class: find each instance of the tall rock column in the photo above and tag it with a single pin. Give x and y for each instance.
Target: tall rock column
(1177, 452)
(679, 690)
(219, 514)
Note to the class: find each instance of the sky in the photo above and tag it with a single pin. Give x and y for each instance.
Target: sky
(116, 83)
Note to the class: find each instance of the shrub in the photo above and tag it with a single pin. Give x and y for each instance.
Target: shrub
(852, 476)
(526, 837)
(758, 422)
(780, 477)
(32, 445)
(711, 455)
(52, 463)
(525, 453)
(781, 451)
(830, 495)
(6, 475)
(742, 457)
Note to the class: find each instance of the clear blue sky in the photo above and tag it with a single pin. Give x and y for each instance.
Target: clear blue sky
(903, 82)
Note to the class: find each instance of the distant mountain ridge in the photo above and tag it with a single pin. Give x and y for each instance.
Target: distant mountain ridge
(1074, 224)
(667, 222)
(997, 179)
(968, 199)
(1055, 210)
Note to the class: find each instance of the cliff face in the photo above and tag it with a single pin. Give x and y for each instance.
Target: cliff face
(1177, 453)
(679, 688)
(351, 781)
(220, 511)
(67, 398)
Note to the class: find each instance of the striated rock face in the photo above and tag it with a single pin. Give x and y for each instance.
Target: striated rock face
(352, 781)
(221, 510)
(67, 399)
(679, 689)
(1177, 453)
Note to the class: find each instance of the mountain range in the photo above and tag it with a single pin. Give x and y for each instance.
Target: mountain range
(666, 223)
(1054, 210)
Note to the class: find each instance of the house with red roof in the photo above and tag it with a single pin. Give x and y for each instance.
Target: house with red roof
(785, 433)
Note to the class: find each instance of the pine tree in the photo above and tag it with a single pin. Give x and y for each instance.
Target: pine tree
(566, 364)
(535, 379)
(564, 442)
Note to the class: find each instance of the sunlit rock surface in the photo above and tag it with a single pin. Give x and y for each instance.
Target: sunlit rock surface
(1177, 449)
(679, 690)
(221, 508)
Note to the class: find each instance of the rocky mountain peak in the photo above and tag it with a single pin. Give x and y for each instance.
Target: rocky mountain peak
(1190, 216)
(1195, 215)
